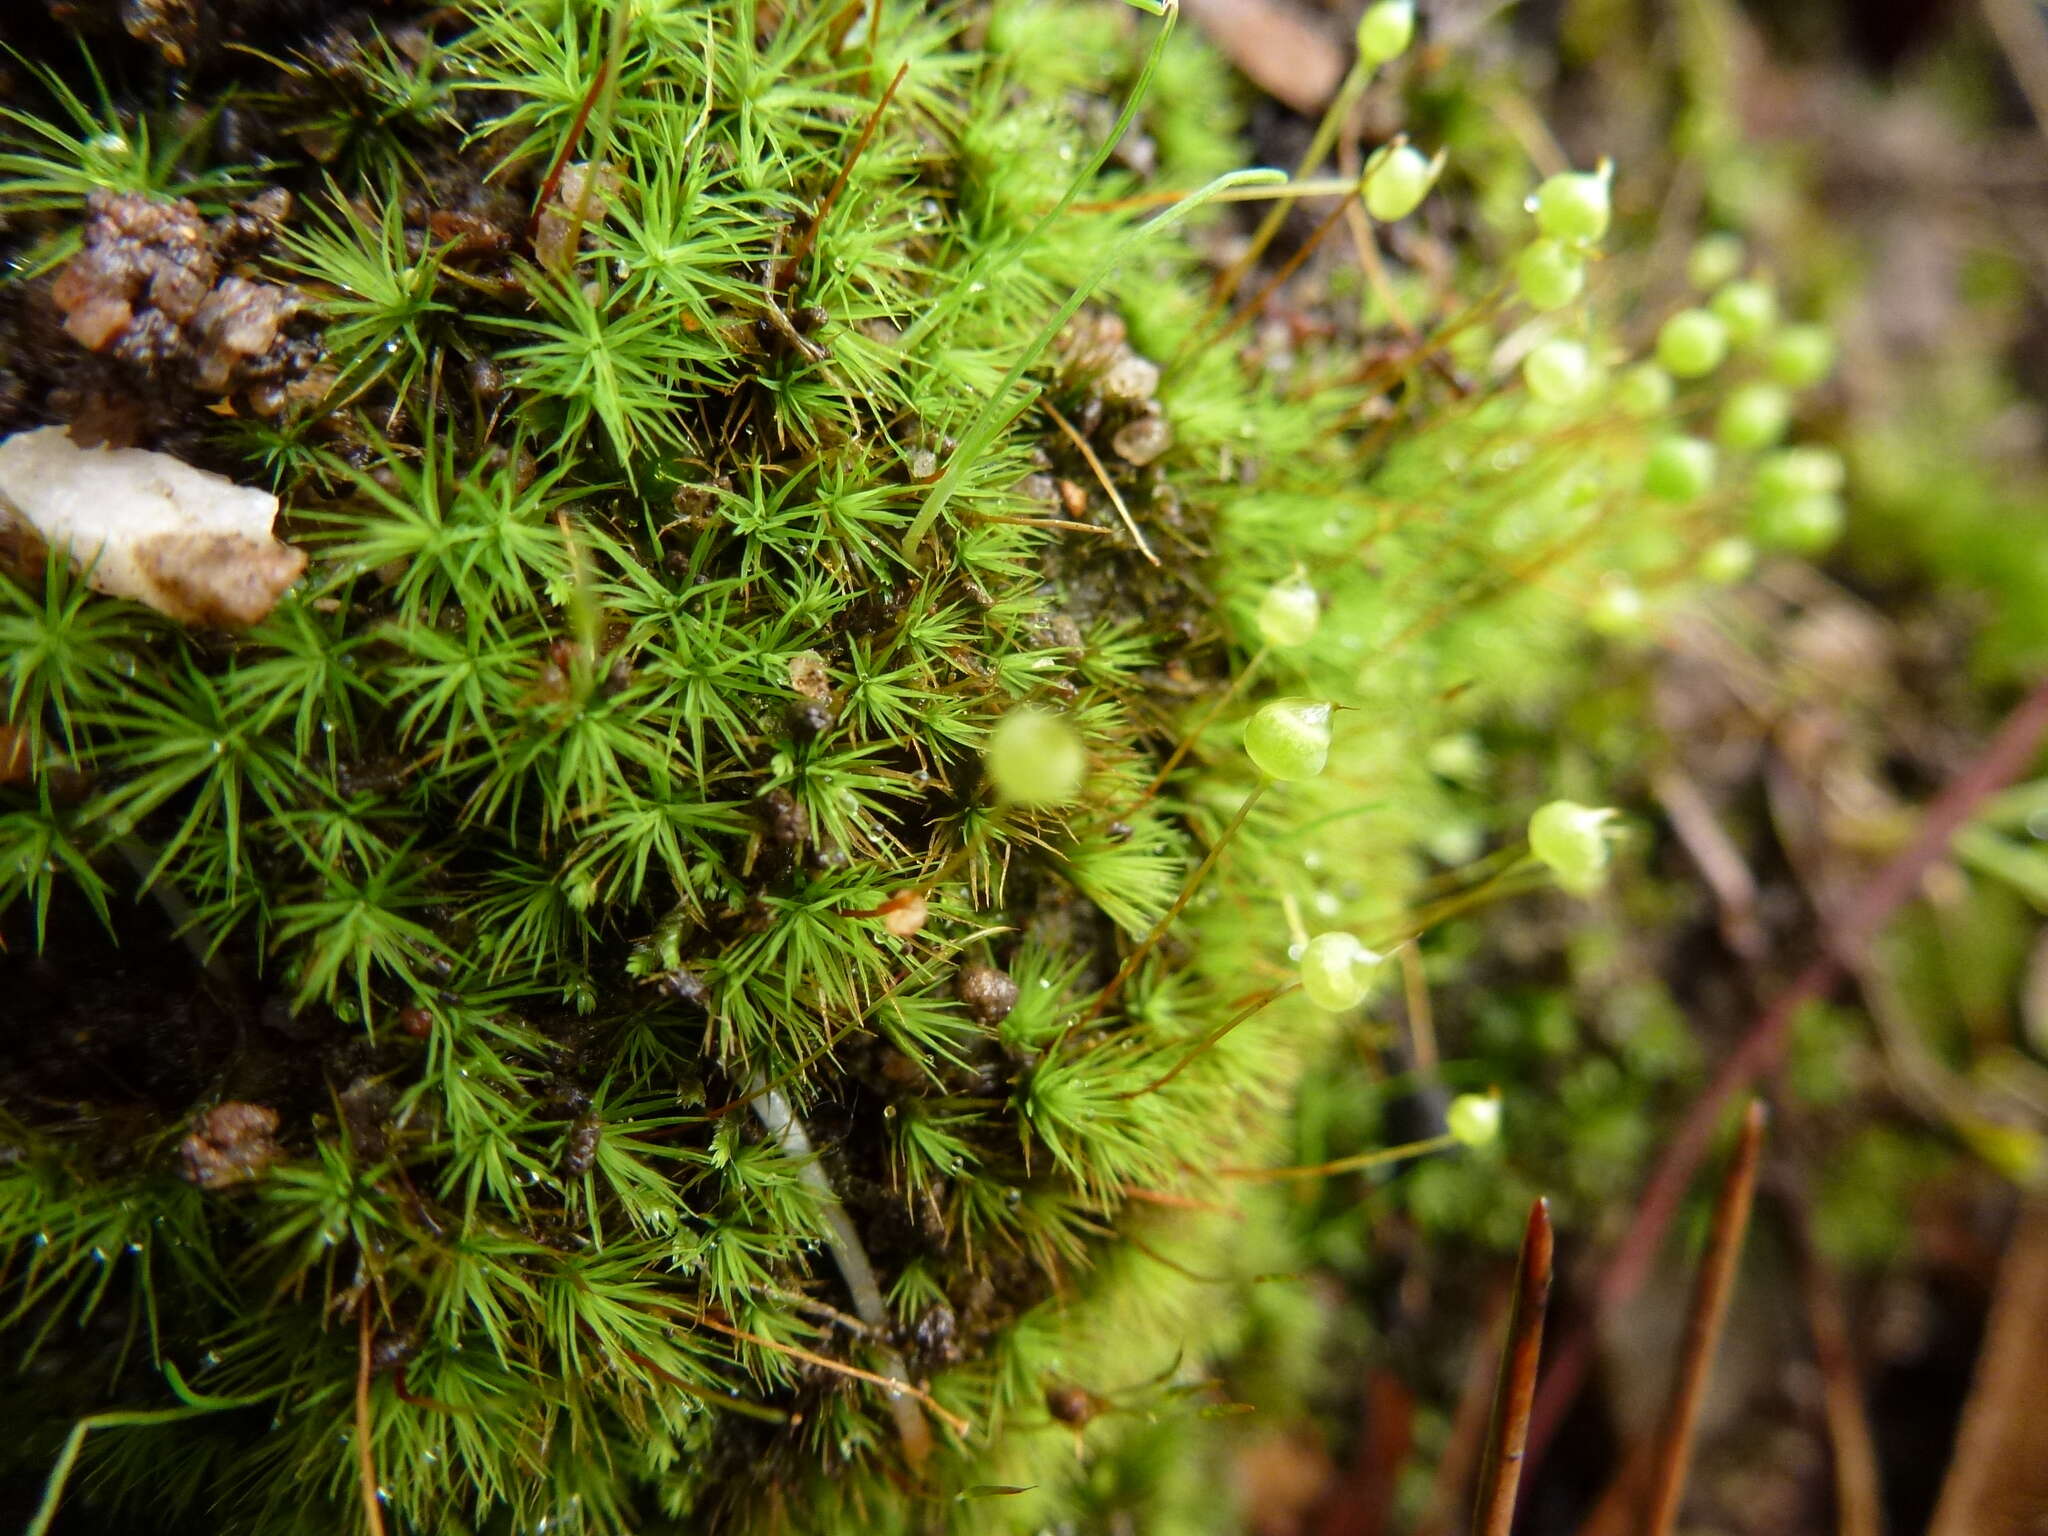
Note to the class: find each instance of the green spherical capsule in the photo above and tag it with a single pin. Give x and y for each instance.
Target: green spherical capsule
(1458, 757)
(1549, 274)
(1289, 738)
(1727, 561)
(1386, 30)
(1805, 525)
(1473, 1119)
(1336, 971)
(1806, 470)
(1714, 260)
(1801, 356)
(1748, 308)
(1288, 613)
(1753, 416)
(1644, 391)
(1571, 841)
(1679, 469)
(1573, 206)
(1453, 842)
(1618, 611)
(1692, 343)
(1558, 372)
(1035, 759)
(1396, 181)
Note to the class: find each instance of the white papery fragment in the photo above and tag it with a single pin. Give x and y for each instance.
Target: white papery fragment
(147, 526)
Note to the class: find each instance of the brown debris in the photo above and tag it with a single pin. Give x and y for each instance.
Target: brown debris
(143, 272)
(784, 817)
(15, 757)
(989, 994)
(1278, 45)
(219, 581)
(172, 25)
(807, 675)
(1142, 439)
(1130, 380)
(22, 551)
(239, 322)
(1094, 343)
(147, 290)
(579, 1148)
(234, 1143)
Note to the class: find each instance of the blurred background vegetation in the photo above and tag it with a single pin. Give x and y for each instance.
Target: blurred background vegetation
(1887, 162)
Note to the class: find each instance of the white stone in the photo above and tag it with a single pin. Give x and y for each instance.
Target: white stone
(192, 545)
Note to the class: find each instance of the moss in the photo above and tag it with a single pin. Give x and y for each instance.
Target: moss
(585, 866)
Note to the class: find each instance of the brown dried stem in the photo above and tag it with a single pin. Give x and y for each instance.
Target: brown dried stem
(1102, 478)
(1859, 1501)
(951, 1420)
(1997, 1480)
(1500, 1469)
(786, 273)
(366, 1459)
(1459, 1458)
(1703, 1326)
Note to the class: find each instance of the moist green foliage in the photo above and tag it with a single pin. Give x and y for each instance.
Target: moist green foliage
(589, 864)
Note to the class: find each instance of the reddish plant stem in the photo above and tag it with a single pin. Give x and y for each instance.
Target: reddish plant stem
(576, 126)
(1288, 268)
(1362, 1500)
(2005, 759)
(1703, 1323)
(1500, 1469)
(786, 274)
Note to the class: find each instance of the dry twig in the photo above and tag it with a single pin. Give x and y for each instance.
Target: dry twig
(1102, 478)
(1500, 1470)
(1997, 1482)
(889, 1385)
(1702, 1328)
